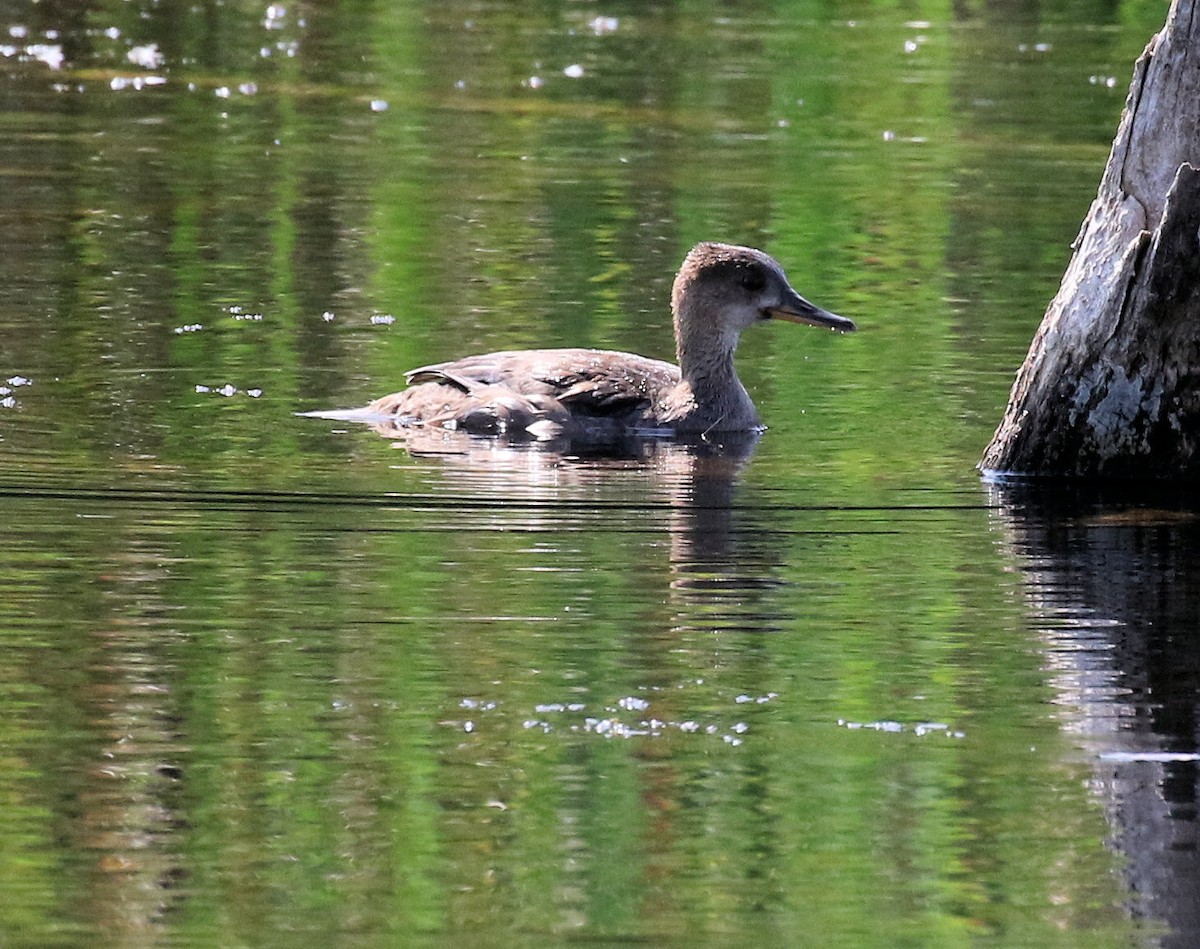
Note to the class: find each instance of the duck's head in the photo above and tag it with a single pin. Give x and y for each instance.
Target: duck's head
(721, 289)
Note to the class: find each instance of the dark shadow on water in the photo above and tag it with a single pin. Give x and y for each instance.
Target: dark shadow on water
(1113, 577)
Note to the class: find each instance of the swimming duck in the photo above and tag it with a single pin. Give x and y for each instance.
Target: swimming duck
(719, 291)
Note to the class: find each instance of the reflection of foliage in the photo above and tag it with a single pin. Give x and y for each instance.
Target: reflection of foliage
(333, 705)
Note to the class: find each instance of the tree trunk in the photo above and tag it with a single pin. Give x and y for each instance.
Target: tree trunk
(1111, 385)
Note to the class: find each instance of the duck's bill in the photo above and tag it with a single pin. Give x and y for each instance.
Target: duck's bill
(796, 309)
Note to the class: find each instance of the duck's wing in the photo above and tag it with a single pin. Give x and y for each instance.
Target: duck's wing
(594, 382)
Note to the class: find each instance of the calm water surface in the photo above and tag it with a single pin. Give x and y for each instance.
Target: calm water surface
(269, 678)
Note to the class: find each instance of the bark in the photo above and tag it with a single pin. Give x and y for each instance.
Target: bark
(1111, 384)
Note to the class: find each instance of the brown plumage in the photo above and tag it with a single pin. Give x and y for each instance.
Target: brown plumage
(719, 291)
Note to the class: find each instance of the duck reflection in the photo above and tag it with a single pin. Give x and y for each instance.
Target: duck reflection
(693, 479)
(1114, 588)
(668, 515)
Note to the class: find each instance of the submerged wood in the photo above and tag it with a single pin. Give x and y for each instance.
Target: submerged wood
(1111, 384)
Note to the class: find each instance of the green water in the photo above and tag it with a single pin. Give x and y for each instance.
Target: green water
(270, 679)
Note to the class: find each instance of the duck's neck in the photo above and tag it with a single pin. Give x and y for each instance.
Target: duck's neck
(706, 367)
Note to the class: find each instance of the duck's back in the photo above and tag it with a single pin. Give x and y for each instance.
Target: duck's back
(574, 389)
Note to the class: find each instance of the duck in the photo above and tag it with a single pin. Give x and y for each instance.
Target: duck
(595, 394)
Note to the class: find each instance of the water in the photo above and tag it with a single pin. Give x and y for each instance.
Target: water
(271, 678)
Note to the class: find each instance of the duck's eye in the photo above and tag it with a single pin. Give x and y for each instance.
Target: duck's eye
(753, 279)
